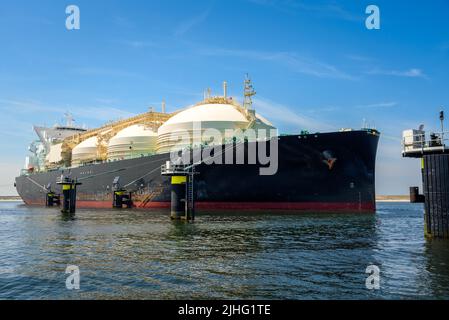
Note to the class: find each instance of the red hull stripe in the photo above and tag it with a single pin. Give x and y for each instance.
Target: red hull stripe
(299, 206)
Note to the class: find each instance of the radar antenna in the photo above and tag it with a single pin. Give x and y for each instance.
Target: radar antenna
(248, 93)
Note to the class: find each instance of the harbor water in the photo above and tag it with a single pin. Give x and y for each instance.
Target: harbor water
(144, 255)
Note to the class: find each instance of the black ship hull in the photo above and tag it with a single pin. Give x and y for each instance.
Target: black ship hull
(316, 172)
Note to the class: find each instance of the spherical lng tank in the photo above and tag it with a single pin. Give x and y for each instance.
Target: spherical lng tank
(54, 156)
(85, 152)
(131, 142)
(192, 124)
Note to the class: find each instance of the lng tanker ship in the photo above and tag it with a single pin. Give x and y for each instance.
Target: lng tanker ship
(242, 164)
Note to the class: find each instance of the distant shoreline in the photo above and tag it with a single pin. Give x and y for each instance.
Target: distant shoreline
(398, 200)
(393, 198)
(10, 198)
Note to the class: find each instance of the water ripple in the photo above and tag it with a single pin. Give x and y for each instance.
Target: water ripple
(144, 255)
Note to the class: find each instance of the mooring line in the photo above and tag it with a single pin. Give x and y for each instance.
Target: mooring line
(127, 185)
(118, 170)
(141, 164)
(152, 171)
(45, 189)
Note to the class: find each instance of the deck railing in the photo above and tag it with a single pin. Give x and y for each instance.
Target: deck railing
(423, 142)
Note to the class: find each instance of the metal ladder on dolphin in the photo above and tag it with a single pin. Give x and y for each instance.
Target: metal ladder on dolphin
(190, 199)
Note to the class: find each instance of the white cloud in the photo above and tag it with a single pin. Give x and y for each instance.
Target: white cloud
(410, 73)
(291, 60)
(285, 117)
(378, 105)
(330, 10)
(334, 108)
(101, 113)
(187, 25)
(138, 44)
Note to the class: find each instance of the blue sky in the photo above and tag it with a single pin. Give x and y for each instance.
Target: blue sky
(313, 63)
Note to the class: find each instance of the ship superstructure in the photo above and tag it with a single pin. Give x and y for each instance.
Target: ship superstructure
(45, 150)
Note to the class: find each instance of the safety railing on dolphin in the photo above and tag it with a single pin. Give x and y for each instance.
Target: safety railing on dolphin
(174, 169)
(417, 142)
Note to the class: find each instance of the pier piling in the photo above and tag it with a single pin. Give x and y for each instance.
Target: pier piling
(415, 197)
(120, 196)
(182, 190)
(69, 187)
(121, 199)
(52, 199)
(434, 155)
(436, 192)
(178, 197)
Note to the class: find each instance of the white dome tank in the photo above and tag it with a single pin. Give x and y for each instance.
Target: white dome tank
(131, 142)
(85, 152)
(178, 130)
(54, 156)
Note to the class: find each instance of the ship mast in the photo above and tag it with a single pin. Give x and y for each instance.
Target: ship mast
(248, 93)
